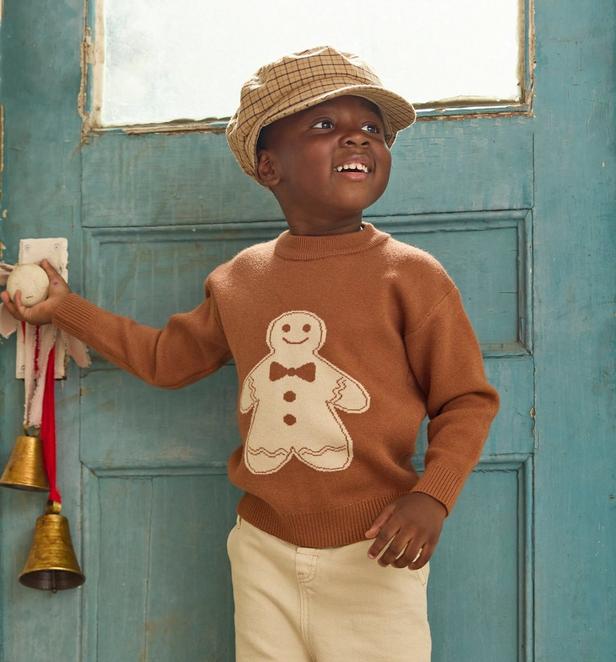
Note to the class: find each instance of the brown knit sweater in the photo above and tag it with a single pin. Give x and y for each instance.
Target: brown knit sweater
(342, 344)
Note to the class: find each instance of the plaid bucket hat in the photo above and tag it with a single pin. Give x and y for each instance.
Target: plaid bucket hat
(301, 80)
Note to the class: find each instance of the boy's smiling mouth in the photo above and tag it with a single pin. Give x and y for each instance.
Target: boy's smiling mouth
(355, 168)
(352, 167)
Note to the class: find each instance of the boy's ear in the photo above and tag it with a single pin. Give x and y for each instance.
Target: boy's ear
(267, 169)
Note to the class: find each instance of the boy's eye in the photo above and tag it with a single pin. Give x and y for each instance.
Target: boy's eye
(323, 124)
(371, 127)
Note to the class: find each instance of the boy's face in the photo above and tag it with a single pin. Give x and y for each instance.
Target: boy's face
(302, 155)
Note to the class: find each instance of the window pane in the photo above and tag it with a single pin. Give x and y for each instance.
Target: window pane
(187, 59)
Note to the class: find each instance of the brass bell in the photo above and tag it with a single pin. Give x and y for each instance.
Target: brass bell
(52, 564)
(25, 469)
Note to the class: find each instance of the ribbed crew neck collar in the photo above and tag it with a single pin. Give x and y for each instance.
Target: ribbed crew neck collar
(312, 247)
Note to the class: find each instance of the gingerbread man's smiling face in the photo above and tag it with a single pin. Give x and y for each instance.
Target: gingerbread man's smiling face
(296, 332)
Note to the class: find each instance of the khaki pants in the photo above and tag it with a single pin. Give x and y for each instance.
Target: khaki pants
(301, 604)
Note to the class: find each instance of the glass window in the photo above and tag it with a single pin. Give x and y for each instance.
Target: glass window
(187, 59)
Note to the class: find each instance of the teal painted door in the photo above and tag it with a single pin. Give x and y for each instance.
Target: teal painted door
(521, 212)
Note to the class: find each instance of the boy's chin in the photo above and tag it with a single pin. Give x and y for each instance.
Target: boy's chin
(355, 204)
(359, 195)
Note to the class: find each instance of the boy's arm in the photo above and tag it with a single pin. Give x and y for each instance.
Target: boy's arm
(190, 346)
(445, 358)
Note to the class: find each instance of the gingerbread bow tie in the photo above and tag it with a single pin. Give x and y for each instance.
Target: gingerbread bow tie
(306, 371)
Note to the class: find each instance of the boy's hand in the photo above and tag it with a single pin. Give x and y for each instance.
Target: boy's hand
(41, 313)
(414, 521)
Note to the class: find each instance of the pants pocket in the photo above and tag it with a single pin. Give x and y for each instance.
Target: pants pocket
(230, 535)
(423, 573)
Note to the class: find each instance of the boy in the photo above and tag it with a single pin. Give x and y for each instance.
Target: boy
(343, 339)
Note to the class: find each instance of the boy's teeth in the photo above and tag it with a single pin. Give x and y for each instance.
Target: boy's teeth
(352, 166)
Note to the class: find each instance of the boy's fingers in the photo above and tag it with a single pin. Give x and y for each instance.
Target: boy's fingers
(414, 556)
(21, 309)
(398, 548)
(11, 307)
(379, 521)
(6, 300)
(424, 557)
(382, 541)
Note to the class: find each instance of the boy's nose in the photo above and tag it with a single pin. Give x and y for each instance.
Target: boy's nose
(354, 137)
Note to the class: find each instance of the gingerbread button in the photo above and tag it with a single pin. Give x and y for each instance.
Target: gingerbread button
(289, 396)
(289, 419)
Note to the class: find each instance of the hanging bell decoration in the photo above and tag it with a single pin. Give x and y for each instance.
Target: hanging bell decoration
(52, 564)
(25, 469)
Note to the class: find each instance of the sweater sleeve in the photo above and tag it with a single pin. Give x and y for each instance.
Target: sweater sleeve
(445, 358)
(189, 347)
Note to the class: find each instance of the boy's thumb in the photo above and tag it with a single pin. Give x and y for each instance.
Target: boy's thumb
(49, 269)
(55, 279)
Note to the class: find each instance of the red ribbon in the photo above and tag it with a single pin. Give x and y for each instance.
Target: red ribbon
(48, 427)
(37, 349)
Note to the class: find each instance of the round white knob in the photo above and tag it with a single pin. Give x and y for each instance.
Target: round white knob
(31, 280)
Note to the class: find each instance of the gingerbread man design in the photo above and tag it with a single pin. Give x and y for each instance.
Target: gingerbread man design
(294, 394)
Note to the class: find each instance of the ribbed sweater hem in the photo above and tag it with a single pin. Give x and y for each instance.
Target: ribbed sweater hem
(328, 528)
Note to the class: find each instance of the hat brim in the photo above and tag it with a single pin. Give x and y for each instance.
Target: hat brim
(397, 112)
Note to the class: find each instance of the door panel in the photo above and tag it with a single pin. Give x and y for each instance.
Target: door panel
(150, 180)
(478, 593)
(126, 423)
(161, 589)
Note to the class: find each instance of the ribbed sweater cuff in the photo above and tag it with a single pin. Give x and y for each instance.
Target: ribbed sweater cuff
(75, 315)
(441, 483)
